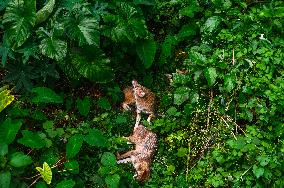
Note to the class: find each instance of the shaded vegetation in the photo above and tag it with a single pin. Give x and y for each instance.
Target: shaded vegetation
(215, 65)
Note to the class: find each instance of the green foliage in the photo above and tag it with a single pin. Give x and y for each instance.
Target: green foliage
(96, 138)
(19, 19)
(5, 98)
(32, 140)
(19, 159)
(96, 70)
(108, 159)
(65, 184)
(9, 129)
(83, 105)
(45, 11)
(5, 178)
(45, 95)
(45, 172)
(146, 51)
(74, 145)
(220, 107)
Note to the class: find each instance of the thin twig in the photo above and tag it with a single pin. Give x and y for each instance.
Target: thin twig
(34, 182)
(229, 126)
(32, 177)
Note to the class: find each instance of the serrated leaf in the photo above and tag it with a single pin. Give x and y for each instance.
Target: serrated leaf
(53, 48)
(112, 181)
(5, 98)
(258, 171)
(263, 160)
(9, 130)
(108, 159)
(19, 17)
(144, 2)
(210, 75)
(96, 138)
(66, 184)
(32, 140)
(74, 145)
(45, 11)
(5, 179)
(19, 159)
(83, 106)
(181, 95)
(211, 24)
(146, 50)
(45, 172)
(45, 95)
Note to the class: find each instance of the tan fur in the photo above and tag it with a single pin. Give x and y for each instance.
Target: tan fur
(141, 157)
(129, 98)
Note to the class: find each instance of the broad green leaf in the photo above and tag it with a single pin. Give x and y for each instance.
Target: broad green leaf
(5, 179)
(146, 50)
(108, 159)
(258, 171)
(190, 10)
(210, 75)
(72, 167)
(97, 70)
(48, 125)
(66, 184)
(41, 184)
(112, 181)
(74, 145)
(45, 11)
(83, 106)
(127, 25)
(45, 172)
(172, 111)
(181, 95)
(104, 103)
(186, 31)
(211, 24)
(19, 18)
(9, 130)
(229, 82)
(5, 98)
(264, 160)
(69, 69)
(83, 29)
(32, 140)
(3, 149)
(182, 152)
(53, 48)
(167, 48)
(96, 138)
(19, 159)
(45, 95)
